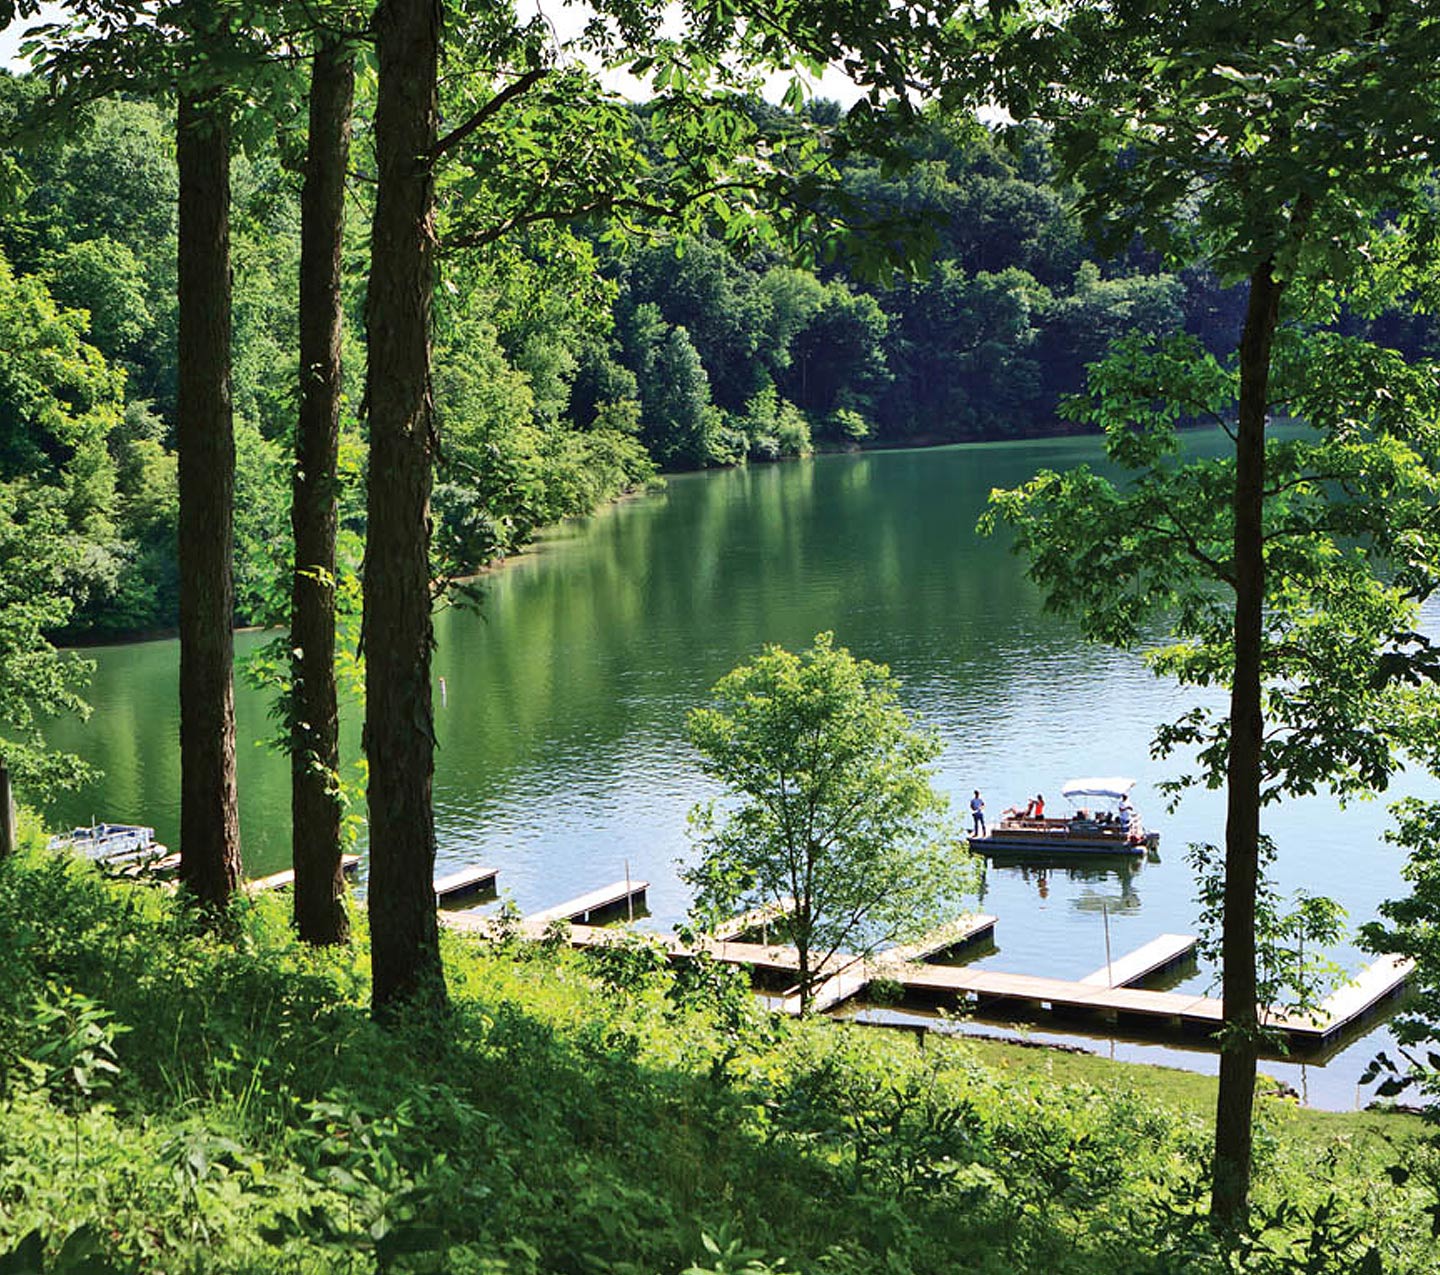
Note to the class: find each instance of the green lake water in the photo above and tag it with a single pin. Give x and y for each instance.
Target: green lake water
(559, 707)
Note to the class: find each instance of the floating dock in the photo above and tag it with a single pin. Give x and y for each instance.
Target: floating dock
(756, 921)
(1379, 981)
(620, 897)
(349, 865)
(465, 883)
(1157, 956)
(856, 974)
(990, 989)
(1109, 993)
(456, 885)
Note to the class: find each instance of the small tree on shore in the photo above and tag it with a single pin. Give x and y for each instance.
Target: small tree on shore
(832, 807)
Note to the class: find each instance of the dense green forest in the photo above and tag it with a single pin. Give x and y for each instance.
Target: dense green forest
(561, 379)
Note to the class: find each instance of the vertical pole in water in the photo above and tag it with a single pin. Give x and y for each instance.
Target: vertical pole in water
(7, 813)
(1109, 977)
(629, 898)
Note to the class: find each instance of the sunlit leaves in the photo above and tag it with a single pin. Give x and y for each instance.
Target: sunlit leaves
(36, 681)
(1273, 132)
(830, 803)
(1349, 543)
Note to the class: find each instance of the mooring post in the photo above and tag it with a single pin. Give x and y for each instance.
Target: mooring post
(1109, 975)
(629, 897)
(7, 813)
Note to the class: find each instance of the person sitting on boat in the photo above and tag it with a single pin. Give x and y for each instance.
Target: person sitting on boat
(1037, 807)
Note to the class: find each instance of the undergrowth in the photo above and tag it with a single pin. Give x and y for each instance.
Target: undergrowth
(173, 1103)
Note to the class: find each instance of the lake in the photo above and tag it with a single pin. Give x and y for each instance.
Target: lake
(560, 706)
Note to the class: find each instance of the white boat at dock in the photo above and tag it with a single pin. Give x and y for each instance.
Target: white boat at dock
(110, 843)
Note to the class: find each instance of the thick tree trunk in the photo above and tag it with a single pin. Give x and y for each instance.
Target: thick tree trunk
(1230, 1188)
(7, 813)
(209, 816)
(399, 717)
(315, 810)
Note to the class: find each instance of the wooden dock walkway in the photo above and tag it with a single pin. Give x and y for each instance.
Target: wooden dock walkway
(854, 975)
(465, 883)
(757, 920)
(1166, 952)
(610, 899)
(1378, 981)
(1108, 993)
(973, 927)
(991, 987)
(349, 865)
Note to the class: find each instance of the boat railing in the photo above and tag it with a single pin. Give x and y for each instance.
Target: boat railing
(107, 841)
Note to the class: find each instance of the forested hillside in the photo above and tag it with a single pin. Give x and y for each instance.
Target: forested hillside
(567, 368)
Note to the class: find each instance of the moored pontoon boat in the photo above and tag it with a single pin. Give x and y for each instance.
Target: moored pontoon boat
(1101, 821)
(110, 842)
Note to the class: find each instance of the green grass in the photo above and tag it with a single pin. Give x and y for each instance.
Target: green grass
(1388, 1133)
(176, 1103)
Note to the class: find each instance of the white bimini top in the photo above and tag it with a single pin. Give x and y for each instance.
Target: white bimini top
(1114, 788)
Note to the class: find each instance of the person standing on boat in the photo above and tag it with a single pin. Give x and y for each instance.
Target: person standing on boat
(1127, 813)
(977, 816)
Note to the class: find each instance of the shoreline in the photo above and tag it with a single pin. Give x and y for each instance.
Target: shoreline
(93, 641)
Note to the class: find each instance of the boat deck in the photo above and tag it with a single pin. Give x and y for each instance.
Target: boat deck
(1057, 836)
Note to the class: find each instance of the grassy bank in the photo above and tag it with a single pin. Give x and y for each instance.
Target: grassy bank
(173, 1103)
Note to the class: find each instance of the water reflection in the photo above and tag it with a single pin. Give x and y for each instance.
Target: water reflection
(1092, 873)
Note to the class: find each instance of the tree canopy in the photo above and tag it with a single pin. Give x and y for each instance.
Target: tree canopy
(830, 813)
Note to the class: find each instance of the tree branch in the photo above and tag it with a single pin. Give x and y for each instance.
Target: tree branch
(516, 88)
(1192, 546)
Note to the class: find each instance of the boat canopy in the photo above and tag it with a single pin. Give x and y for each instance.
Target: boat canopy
(1114, 787)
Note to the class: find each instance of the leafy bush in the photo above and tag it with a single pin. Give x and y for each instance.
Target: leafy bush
(575, 1115)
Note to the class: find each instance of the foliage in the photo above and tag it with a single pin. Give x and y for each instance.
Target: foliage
(1288, 979)
(831, 814)
(59, 400)
(1410, 928)
(1345, 499)
(580, 1118)
(36, 681)
(675, 340)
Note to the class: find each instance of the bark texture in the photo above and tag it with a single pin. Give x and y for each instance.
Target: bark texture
(7, 814)
(209, 815)
(315, 808)
(399, 717)
(1230, 1188)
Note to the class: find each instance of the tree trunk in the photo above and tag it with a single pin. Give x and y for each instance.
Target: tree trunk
(315, 810)
(7, 813)
(397, 636)
(1230, 1187)
(209, 815)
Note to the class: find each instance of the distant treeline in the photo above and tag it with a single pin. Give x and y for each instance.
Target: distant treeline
(566, 370)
